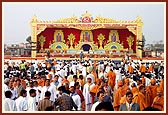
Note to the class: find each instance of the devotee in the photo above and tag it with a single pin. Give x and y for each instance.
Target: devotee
(6, 82)
(76, 98)
(158, 101)
(65, 102)
(153, 89)
(50, 88)
(9, 104)
(46, 102)
(100, 96)
(111, 79)
(21, 101)
(19, 87)
(140, 98)
(129, 105)
(79, 92)
(32, 100)
(13, 90)
(118, 96)
(86, 93)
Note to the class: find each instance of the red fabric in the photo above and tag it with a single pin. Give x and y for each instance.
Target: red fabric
(123, 34)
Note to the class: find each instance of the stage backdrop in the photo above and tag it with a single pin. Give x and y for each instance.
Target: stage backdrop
(49, 34)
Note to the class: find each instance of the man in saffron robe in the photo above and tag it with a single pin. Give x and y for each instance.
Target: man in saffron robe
(118, 96)
(130, 69)
(148, 92)
(153, 89)
(140, 98)
(142, 68)
(124, 99)
(111, 78)
(158, 101)
(95, 90)
(126, 85)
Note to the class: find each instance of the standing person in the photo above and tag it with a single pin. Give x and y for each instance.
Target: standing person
(46, 102)
(76, 98)
(140, 98)
(126, 85)
(75, 78)
(111, 78)
(100, 96)
(29, 88)
(9, 104)
(50, 88)
(158, 101)
(48, 54)
(129, 105)
(153, 90)
(118, 95)
(21, 101)
(32, 100)
(108, 90)
(55, 82)
(86, 93)
(6, 82)
(79, 92)
(65, 102)
(81, 56)
(19, 87)
(13, 90)
(130, 68)
(38, 91)
(22, 67)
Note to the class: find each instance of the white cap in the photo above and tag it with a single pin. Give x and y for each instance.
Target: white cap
(89, 76)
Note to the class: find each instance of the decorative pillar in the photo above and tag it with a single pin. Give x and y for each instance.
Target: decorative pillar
(101, 38)
(33, 35)
(71, 39)
(139, 35)
(42, 40)
(130, 40)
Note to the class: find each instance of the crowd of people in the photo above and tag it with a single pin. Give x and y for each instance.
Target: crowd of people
(83, 85)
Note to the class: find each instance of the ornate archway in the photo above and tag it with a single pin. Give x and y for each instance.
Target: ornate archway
(86, 47)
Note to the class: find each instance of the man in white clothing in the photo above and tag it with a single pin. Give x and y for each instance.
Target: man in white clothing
(38, 90)
(50, 88)
(29, 88)
(75, 77)
(9, 104)
(6, 82)
(76, 98)
(32, 100)
(86, 92)
(13, 90)
(100, 96)
(21, 102)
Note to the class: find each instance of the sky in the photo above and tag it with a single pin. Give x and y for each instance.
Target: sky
(16, 16)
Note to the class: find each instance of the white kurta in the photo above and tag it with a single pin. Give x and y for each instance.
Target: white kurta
(9, 105)
(28, 89)
(52, 90)
(14, 93)
(87, 96)
(21, 104)
(76, 98)
(32, 104)
(38, 94)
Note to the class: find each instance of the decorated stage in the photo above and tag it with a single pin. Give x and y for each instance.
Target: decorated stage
(97, 37)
